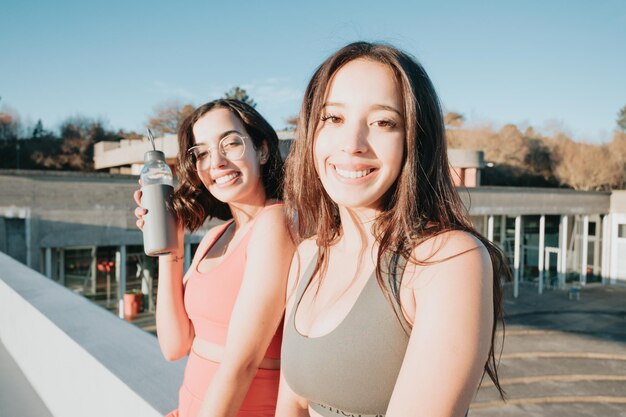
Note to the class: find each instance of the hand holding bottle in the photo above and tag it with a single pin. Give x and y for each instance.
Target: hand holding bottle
(139, 210)
(155, 216)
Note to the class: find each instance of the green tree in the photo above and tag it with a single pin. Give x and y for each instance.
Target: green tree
(240, 94)
(621, 119)
(39, 132)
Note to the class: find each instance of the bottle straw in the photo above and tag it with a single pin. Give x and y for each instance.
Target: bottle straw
(151, 139)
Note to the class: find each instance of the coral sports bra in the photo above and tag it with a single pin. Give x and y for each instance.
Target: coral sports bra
(210, 296)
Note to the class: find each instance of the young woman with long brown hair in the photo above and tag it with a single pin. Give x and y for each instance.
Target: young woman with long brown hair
(394, 296)
(225, 311)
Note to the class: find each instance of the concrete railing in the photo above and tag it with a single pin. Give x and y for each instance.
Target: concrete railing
(80, 359)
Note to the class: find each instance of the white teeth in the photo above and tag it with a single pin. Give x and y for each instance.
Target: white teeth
(352, 174)
(225, 178)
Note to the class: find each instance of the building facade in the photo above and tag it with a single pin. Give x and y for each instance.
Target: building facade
(126, 157)
(79, 228)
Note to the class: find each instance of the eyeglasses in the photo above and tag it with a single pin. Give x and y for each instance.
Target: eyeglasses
(231, 147)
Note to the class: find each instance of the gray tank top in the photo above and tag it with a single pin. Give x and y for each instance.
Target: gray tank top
(352, 370)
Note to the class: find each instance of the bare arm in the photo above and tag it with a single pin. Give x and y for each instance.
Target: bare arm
(289, 403)
(451, 333)
(256, 315)
(175, 332)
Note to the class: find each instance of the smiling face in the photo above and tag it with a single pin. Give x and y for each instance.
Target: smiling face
(359, 141)
(230, 181)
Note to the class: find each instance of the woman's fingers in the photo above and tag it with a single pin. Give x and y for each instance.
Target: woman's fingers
(140, 212)
(137, 197)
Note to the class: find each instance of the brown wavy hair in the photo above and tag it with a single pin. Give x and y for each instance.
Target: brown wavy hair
(423, 201)
(192, 202)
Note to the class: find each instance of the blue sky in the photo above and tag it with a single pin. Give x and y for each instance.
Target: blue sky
(551, 64)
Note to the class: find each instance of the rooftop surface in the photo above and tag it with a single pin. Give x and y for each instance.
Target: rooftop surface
(562, 356)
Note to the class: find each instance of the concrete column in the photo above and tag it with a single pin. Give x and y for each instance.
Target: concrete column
(490, 228)
(517, 250)
(563, 250)
(470, 177)
(585, 250)
(48, 263)
(62, 266)
(548, 251)
(120, 273)
(542, 244)
(28, 231)
(606, 248)
(597, 239)
(94, 269)
(3, 235)
(55, 265)
(502, 230)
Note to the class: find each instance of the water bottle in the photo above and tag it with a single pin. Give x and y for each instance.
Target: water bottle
(159, 230)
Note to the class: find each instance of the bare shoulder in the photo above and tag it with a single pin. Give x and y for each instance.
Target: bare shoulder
(451, 254)
(301, 258)
(272, 216)
(448, 245)
(303, 255)
(271, 230)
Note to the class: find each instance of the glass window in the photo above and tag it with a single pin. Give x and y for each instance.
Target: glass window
(78, 270)
(592, 228)
(142, 276)
(106, 278)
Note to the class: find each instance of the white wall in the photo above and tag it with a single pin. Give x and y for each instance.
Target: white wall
(79, 358)
(617, 270)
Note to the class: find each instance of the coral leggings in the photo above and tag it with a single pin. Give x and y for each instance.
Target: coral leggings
(260, 401)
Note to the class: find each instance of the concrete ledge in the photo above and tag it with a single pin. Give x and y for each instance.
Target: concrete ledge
(17, 396)
(513, 201)
(466, 158)
(80, 359)
(107, 155)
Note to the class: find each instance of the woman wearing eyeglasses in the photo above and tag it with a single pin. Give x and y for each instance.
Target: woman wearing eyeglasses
(225, 312)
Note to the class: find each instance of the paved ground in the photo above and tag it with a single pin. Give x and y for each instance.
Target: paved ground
(561, 357)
